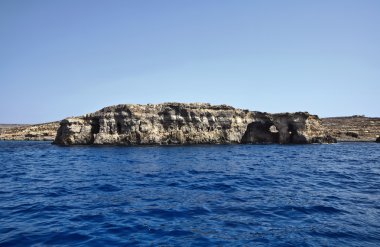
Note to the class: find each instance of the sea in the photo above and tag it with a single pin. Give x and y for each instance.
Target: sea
(202, 195)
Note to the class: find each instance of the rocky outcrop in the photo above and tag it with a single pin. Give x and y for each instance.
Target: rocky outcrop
(297, 128)
(196, 123)
(39, 132)
(354, 128)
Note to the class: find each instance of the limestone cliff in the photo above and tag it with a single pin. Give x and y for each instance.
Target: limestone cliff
(195, 123)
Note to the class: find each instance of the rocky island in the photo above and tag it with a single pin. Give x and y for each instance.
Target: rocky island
(194, 123)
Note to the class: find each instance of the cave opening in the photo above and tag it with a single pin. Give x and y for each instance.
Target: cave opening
(260, 132)
(294, 136)
(292, 131)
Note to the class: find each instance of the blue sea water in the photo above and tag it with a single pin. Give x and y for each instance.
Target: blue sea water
(217, 195)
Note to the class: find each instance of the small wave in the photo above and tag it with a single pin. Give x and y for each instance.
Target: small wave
(108, 188)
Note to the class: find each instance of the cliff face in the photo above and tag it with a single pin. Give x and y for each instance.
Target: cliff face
(354, 128)
(38, 132)
(176, 123)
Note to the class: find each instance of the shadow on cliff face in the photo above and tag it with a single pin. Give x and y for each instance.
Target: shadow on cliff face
(95, 126)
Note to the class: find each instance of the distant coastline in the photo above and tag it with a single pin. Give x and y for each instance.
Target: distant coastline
(357, 128)
(8, 126)
(24, 132)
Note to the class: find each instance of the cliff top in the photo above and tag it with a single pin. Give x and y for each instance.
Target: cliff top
(195, 105)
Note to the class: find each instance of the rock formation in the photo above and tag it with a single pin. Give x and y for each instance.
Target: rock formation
(38, 132)
(354, 128)
(195, 123)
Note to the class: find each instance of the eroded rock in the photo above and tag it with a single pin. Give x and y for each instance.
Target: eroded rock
(194, 123)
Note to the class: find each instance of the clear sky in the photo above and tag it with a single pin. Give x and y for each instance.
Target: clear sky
(67, 58)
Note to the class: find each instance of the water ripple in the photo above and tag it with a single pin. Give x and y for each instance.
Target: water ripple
(221, 195)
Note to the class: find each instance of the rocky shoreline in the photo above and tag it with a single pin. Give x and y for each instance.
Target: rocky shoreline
(196, 123)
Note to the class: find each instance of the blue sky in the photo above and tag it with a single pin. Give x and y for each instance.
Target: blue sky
(67, 58)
